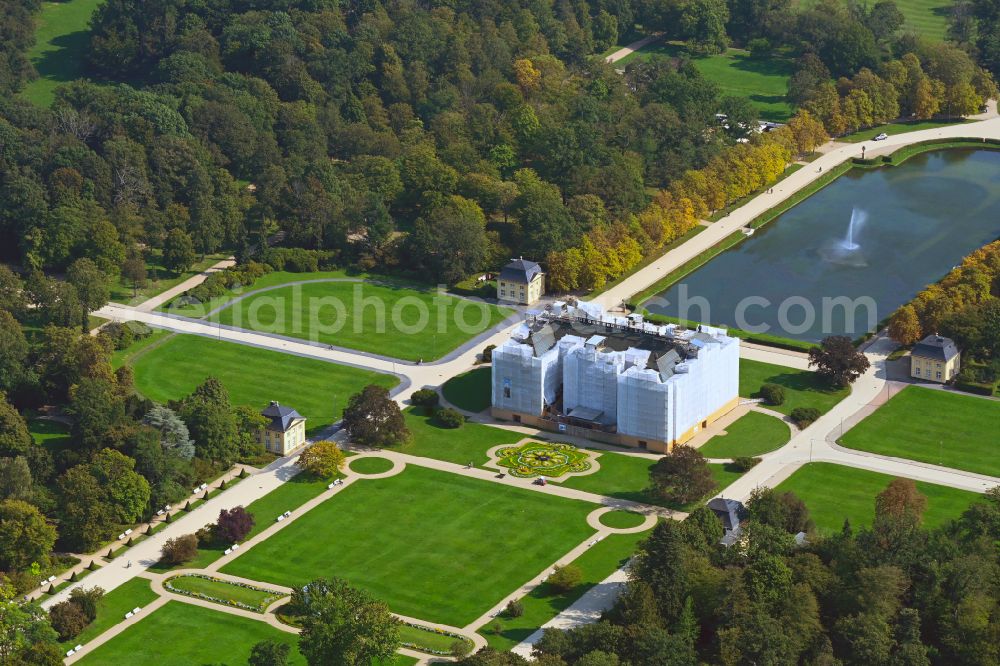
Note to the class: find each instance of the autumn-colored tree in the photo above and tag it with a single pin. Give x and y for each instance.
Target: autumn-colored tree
(528, 77)
(904, 326)
(324, 459)
(900, 502)
(180, 549)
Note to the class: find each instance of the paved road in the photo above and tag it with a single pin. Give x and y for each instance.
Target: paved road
(193, 281)
(631, 48)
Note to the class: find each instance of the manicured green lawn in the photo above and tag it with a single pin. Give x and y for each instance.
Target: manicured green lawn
(159, 278)
(471, 390)
(752, 434)
(764, 81)
(542, 604)
(933, 427)
(217, 589)
(370, 465)
(199, 310)
(253, 376)
(428, 640)
(835, 492)
(621, 519)
(112, 608)
(406, 323)
(627, 477)
(892, 129)
(435, 546)
(180, 634)
(802, 387)
(461, 446)
(61, 37)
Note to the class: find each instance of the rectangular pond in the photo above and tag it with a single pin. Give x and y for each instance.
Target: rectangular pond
(849, 255)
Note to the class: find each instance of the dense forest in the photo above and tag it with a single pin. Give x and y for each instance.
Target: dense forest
(896, 594)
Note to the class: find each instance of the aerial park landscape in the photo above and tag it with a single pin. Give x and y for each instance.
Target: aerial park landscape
(655, 333)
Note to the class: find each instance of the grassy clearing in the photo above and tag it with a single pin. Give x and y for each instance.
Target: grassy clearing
(621, 519)
(370, 465)
(764, 81)
(627, 477)
(802, 387)
(543, 603)
(471, 390)
(934, 427)
(253, 376)
(433, 545)
(835, 492)
(112, 608)
(218, 589)
(53, 435)
(180, 634)
(61, 36)
(403, 322)
(461, 446)
(752, 434)
(893, 129)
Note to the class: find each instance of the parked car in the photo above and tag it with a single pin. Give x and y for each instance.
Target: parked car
(882, 137)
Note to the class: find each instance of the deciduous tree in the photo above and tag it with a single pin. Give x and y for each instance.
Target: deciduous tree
(344, 625)
(837, 360)
(682, 476)
(373, 418)
(324, 459)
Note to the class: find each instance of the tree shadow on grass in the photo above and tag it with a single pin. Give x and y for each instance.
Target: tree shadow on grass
(769, 66)
(64, 63)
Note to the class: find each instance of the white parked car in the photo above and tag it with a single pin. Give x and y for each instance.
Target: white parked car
(882, 137)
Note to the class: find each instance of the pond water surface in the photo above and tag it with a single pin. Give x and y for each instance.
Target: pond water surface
(812, 273)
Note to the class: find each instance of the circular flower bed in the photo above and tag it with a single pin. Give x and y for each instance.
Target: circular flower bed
(543, 459)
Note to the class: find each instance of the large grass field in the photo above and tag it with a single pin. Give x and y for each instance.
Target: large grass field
(273, 279)
(112, 607)
(289, 496)
(752, 434)
(835, 492)
(764, 81)
(433, 545)
(319, 390)
(543, 603)
(802, 387)
(406, 323)
(61, 36)
(933, 427)
(627, 477)
(182, 634)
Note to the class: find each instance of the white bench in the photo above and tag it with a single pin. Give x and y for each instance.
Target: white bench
(288, 513)
(127, 532)
(78, 648)
(236, 546)
(227, 551)
(129, 615)
(137, 609)
(280, 518)
(203, 486)
(71, 653)
(51, 578)
(121, 536)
